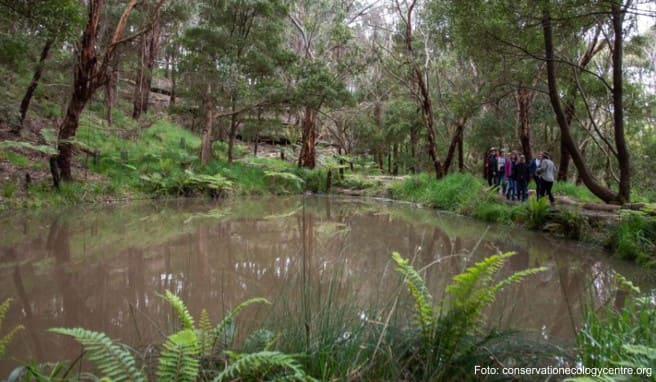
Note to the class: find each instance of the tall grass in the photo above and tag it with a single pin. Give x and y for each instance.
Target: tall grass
(635, 238)
(620, 334)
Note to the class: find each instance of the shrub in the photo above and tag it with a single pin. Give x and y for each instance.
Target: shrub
(635, 238)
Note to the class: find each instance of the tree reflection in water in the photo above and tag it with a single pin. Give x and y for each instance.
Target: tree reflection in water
(102, 269)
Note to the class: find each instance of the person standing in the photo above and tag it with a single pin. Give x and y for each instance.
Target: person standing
(521, 176)
(533, 167)
(491, 166)
(501, 170)
(547, 174)
(511, 192)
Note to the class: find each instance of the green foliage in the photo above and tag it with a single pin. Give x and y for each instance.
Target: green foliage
(448, 337)
(113, 360)
(180, 307)
(635, 238)
(178, 360)
(577, 192)
(42, 149)
(315, 179)
(6, 339)
(224, 331)
(614, 337)
(420, 294)
(264, 365)
(536, 211)
(283, 182)
(493, 212)
(9, 188)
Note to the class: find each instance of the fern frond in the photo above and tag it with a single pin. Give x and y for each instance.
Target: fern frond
(417, 288)
(178, 361)
(113, 360)
(474, 289)
(465, 284)
(263, 365)
(6, 339)
(228, 320)
(181, 308)
(4, 308)
(205, 338)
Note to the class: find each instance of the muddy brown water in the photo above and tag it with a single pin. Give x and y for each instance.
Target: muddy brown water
(104, 268)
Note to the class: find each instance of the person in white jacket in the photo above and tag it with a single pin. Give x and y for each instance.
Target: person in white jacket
(547, 174)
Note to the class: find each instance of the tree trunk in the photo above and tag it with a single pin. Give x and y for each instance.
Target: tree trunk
(455, 139)
(25, 103)
(425, 100)
(110, 93)
(570, 108)
(603, 193)
(148, 48)
(89, 75)
(623, 155)
(563, 167)
(173, 76)
(153, 50)
(461, 152)
(232, 133)
(307, 156)
(137, 96)
(206, 141)
(524, 99)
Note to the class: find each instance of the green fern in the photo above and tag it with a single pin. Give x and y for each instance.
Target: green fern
(113, 360)
(264, 365)
(6, 339)
(446, 334)
(537, 211)
(205, 333)
(178, 361)
(473, 289)
(224, 327)
(179, 305)
(417, 288)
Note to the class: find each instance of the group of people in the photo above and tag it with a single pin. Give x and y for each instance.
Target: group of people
(511, 174)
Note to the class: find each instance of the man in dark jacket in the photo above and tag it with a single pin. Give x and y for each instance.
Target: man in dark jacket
(491, 166)
(521, 176)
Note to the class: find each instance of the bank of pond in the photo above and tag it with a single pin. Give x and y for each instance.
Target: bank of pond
(311, 288)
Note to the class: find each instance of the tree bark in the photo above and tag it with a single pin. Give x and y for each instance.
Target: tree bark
(623, 155)
(90, 73)
(232, 133)
(603, 193)
(148, 49)
(425, 100)
(206, 141)
(307, 155)
(524, 99)
(25, 103)
(455, 139)
(570, 108)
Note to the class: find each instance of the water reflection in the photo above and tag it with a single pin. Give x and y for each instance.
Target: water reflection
(103, 269)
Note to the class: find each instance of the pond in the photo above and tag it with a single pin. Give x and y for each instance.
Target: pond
(104, 268)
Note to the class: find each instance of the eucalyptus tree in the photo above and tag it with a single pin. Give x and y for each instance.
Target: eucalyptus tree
(91, 71)
(615, 14)
(236, 54)
(405, 11)
(321, 41)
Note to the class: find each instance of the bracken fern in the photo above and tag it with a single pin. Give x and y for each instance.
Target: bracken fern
(179, 359)
(113, 360)
(6, 339)
(264, 365)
